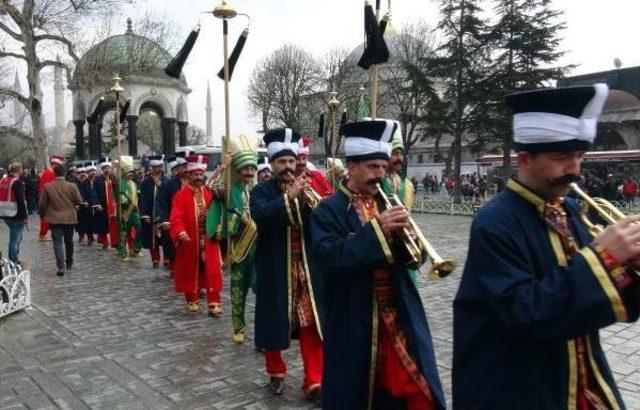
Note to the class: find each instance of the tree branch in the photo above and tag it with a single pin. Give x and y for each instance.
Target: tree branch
(7, 29)
(52, 37)
(13, 55)
(7, 130)
(15, 95)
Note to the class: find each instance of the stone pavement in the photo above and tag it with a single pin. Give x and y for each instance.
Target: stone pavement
(114, 335)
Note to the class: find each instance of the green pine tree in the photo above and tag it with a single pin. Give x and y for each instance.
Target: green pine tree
(460, 66)
(525, 38)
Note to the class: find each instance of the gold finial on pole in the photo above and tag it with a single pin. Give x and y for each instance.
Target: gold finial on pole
(226, 12)
(333, 104)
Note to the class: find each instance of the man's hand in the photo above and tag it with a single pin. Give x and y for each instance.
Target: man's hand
(393, 220)
(621, 239)
(99, 208)
(299, 185)
(184, 237)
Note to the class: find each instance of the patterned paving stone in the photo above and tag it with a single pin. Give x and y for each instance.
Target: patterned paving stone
(115, 335)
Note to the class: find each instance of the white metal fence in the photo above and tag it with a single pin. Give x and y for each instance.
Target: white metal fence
(15, 287)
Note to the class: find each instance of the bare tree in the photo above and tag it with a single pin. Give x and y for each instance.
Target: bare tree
(281, 84)
(37, 29)
(195, 135)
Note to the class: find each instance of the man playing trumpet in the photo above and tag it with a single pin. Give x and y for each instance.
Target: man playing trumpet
(536, 288)
(378, 349)
(288, 292)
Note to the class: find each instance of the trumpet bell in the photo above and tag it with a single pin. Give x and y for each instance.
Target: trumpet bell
(442, 269)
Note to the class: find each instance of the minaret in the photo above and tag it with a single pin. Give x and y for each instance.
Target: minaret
(58, 89)
(208, 108)
(17, 107)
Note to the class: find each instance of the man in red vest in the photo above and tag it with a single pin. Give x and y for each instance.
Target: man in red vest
(318, 181)
(46, 177)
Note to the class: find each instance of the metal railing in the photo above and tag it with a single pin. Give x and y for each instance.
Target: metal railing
(15, 287)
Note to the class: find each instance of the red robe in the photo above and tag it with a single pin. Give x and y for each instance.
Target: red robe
(319, 182)
(46, 177)
(184, 218)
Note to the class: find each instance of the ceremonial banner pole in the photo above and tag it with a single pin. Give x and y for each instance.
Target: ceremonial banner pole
(333, 103)
(374, 77)
(117, 88)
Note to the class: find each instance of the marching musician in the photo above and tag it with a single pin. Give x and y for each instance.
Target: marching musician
(288, 292)
(395, 182)
(129, 224)
(536, 288)
(164, 202)
(239, 228)
(335, 172)
(264, 170)
(149, 190)
(317, 179)
(378, 348)
(90, 198)
(198, 263)
(104, 218)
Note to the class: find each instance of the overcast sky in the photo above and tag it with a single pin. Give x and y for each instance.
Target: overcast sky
(596, 33)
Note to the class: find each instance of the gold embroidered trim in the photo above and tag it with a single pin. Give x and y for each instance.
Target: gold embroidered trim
(607, 285)
(572, 399)
(603, 384)
(383, 241)
(519, 189)
(556, 244)
(287, 205)
(307, 272)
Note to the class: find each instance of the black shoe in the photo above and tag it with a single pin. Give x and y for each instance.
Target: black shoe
(316, 395)
(69, 266)
(276, 385)
(60, 273)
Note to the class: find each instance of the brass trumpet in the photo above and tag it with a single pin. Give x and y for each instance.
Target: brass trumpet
(415, 243)
(311, 197)
(605, 209)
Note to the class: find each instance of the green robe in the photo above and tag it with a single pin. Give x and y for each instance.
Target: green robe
(403, 187)
(129, 217)
(243, 274)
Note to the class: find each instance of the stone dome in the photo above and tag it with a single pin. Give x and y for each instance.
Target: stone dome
(125, 54)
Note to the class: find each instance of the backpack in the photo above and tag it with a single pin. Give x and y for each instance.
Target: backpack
(8, 205)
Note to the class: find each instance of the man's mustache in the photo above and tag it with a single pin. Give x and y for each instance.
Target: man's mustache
(398, 162)
(566, 179)
(374, 181)
(286, 171)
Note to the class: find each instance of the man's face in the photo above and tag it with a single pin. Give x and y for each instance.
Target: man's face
(181, 170)
(551, 172)
(302, 161)
(247, 174)
(83, 176)
(264, 175)
(396, 161)
(106, 170)
(364, 175)
(128, 176)
(156, 170)
(197, 177)
(92, 174)
(284, 167)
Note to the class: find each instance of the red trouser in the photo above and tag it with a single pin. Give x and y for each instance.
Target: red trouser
(103, 239)
(44, 227)
(311, 351)
(113, 232)
(213, 297)
(393, 377)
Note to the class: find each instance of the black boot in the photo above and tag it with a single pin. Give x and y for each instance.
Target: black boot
(276, 384)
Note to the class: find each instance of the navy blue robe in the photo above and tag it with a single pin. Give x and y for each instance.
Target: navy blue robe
(347, 254)
(274, 218)
(149, 191)
(521, 304)
(164, 198)
(100, 224)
